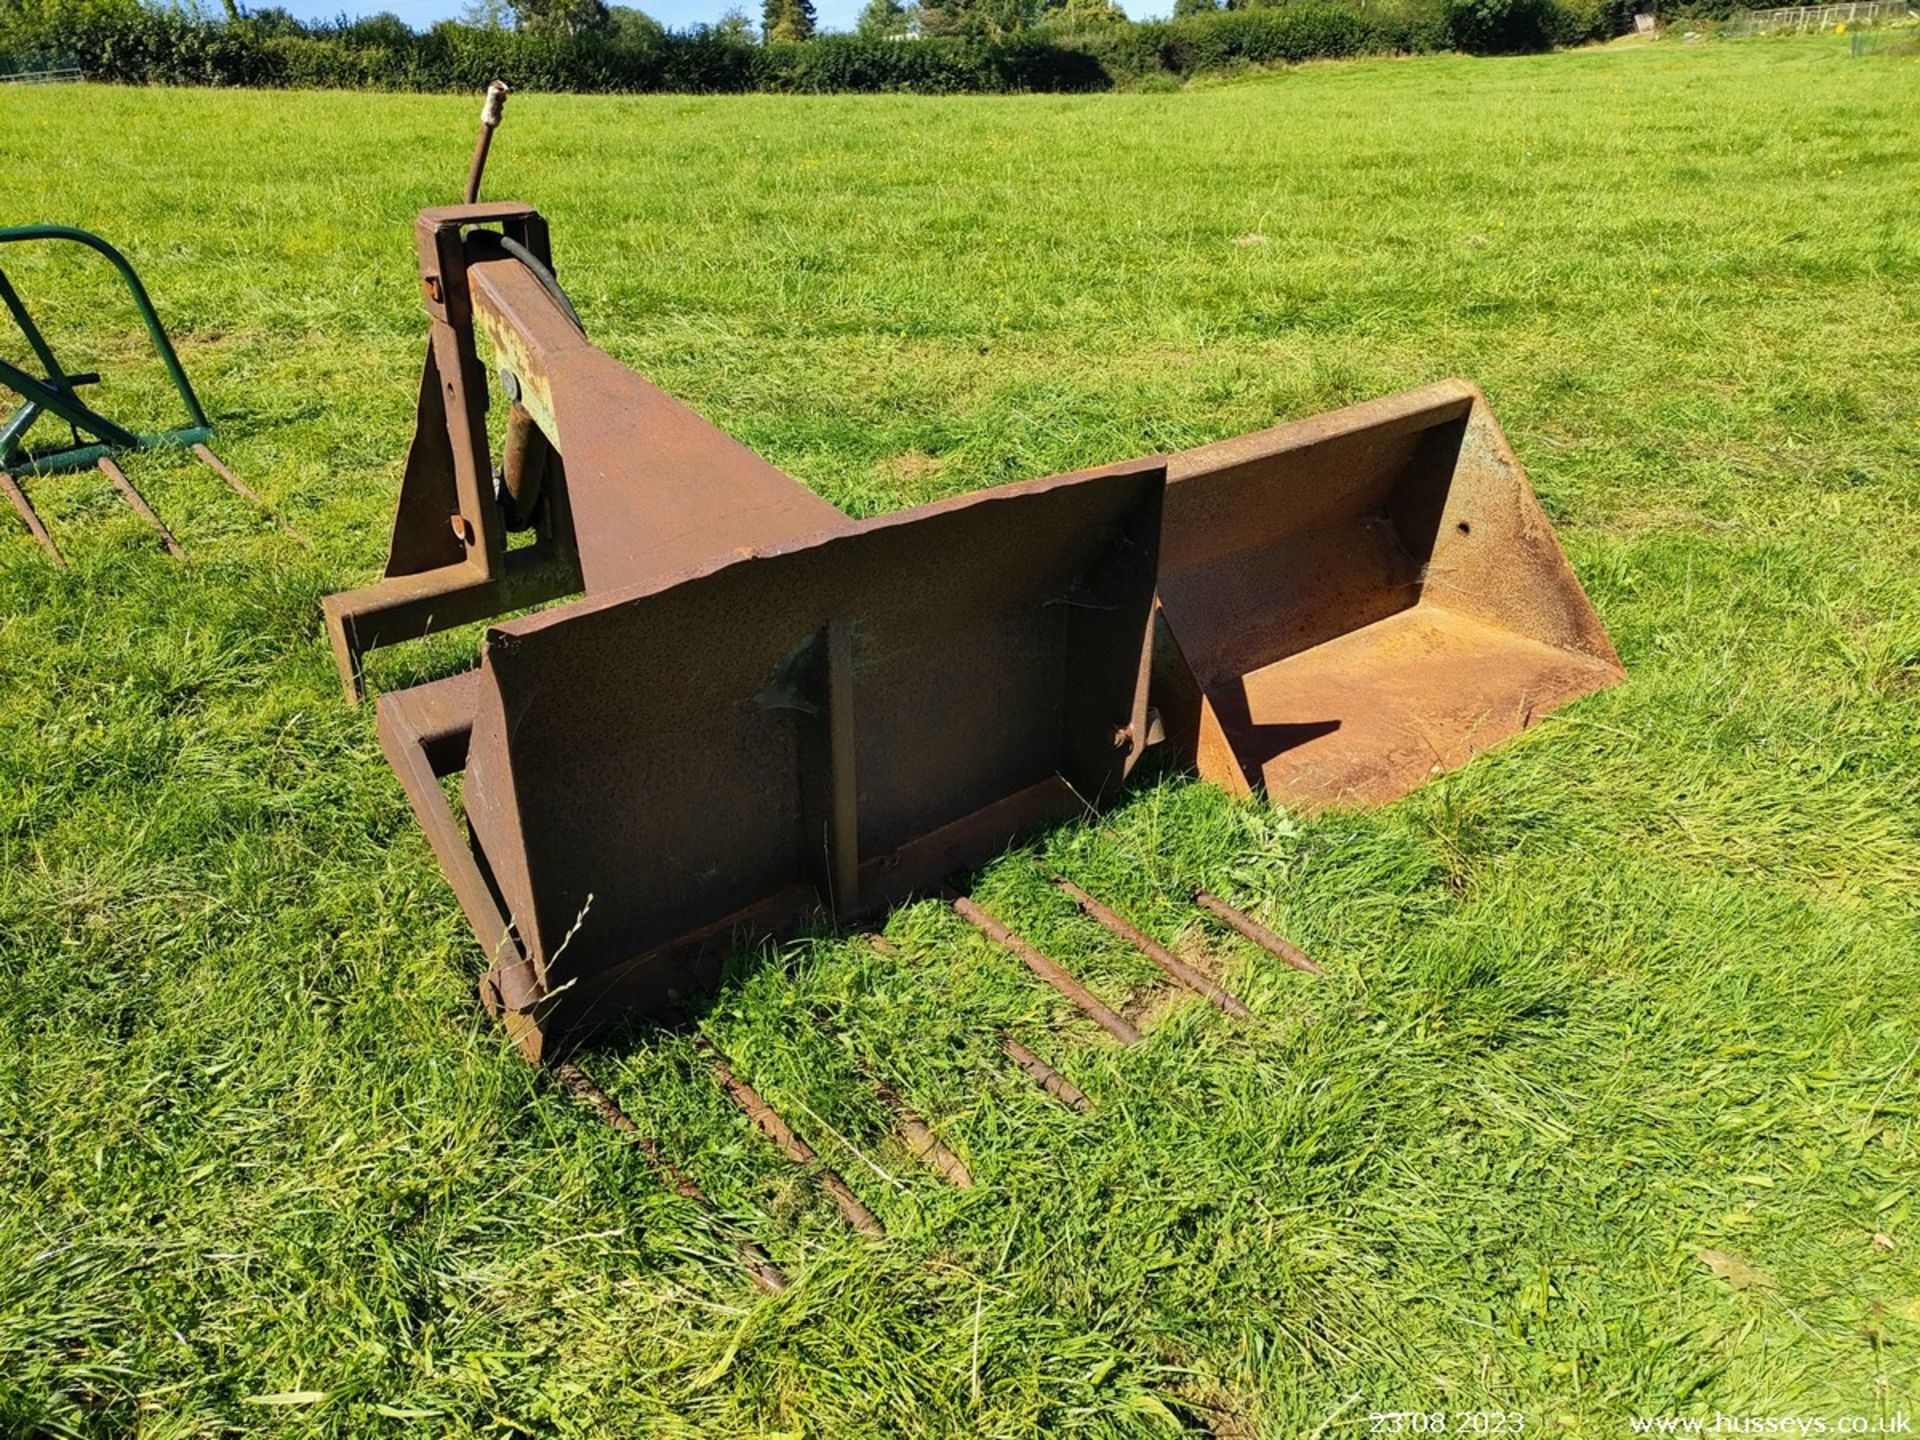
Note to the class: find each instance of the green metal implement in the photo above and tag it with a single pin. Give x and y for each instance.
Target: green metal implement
(56, 392)
(94, 438)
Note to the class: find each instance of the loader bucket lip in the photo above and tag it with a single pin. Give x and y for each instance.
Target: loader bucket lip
(1403, 409)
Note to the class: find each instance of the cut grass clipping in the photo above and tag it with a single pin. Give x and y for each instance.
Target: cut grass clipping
(1605, 1104)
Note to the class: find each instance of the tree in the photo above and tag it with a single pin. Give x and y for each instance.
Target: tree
(1194, 7)
(274, 20)
(632, 28)
(992, 19)
(882, 20)
(734, 25)
(386, 29)
(559, 17)
(1077, 15)
(787, 20)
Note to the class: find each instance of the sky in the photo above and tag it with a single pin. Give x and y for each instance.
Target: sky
(675, 14)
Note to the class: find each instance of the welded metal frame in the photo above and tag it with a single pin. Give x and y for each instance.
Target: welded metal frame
(622, 481)
(636, 500)
(448, 563)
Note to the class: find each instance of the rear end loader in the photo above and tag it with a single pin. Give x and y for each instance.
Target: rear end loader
(762, 710)
(760, 714)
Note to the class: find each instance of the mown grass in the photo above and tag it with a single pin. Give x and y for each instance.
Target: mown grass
(1637, 986)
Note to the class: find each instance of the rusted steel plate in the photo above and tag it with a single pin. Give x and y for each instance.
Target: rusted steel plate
(1172, 964)
(655, 489)
(833, 723)
(405, 607)
(767, 1275)
(921, 1140)
(1259, 934)
(1044, 1075)
(139, 506)
(1356, 602)
(769, 1123)
(424, 733)
(633, 485)
(1048, 970)
(18, 497)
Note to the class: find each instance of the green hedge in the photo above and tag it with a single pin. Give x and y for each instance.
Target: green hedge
(118, 40)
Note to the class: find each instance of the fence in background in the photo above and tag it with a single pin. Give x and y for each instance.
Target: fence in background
(46, 75)
(1799, 19)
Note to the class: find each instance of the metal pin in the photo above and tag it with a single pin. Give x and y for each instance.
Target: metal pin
(1048, 1078)
(1097, 1011)
(239, 487)
(1175, 967)
(39, 532)
(921, 1140)
(797, 1150)
(1258, 933)
(140, 506)
(490, 110)
(767, 1275)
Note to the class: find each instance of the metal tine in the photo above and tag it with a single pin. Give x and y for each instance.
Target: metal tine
(1259, 934)
(1044, 1075)
(1091, 1005)
(915, 1132)
(767, 1275)
(219, 467)
(1176, 968)
(797, 1150)
(920, 1139)
(140, 507)
(25, 508)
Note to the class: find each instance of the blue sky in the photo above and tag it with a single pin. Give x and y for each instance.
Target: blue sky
(679, 14)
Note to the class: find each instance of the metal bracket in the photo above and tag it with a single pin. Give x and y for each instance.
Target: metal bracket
(449, 564)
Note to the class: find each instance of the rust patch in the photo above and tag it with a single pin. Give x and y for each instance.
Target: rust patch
(1175, 968)
(1044, 1075)
(920, 1138)
(1275, 945)
(17, 497)
(138, 504)
(1089, 1004)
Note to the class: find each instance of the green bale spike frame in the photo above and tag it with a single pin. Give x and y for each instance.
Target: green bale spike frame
(56, 393)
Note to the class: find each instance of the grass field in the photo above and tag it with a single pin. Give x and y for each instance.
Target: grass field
(1633, 990)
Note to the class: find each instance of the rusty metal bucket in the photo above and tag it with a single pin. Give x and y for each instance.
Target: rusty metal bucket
(1355, 602)
(761, 712)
